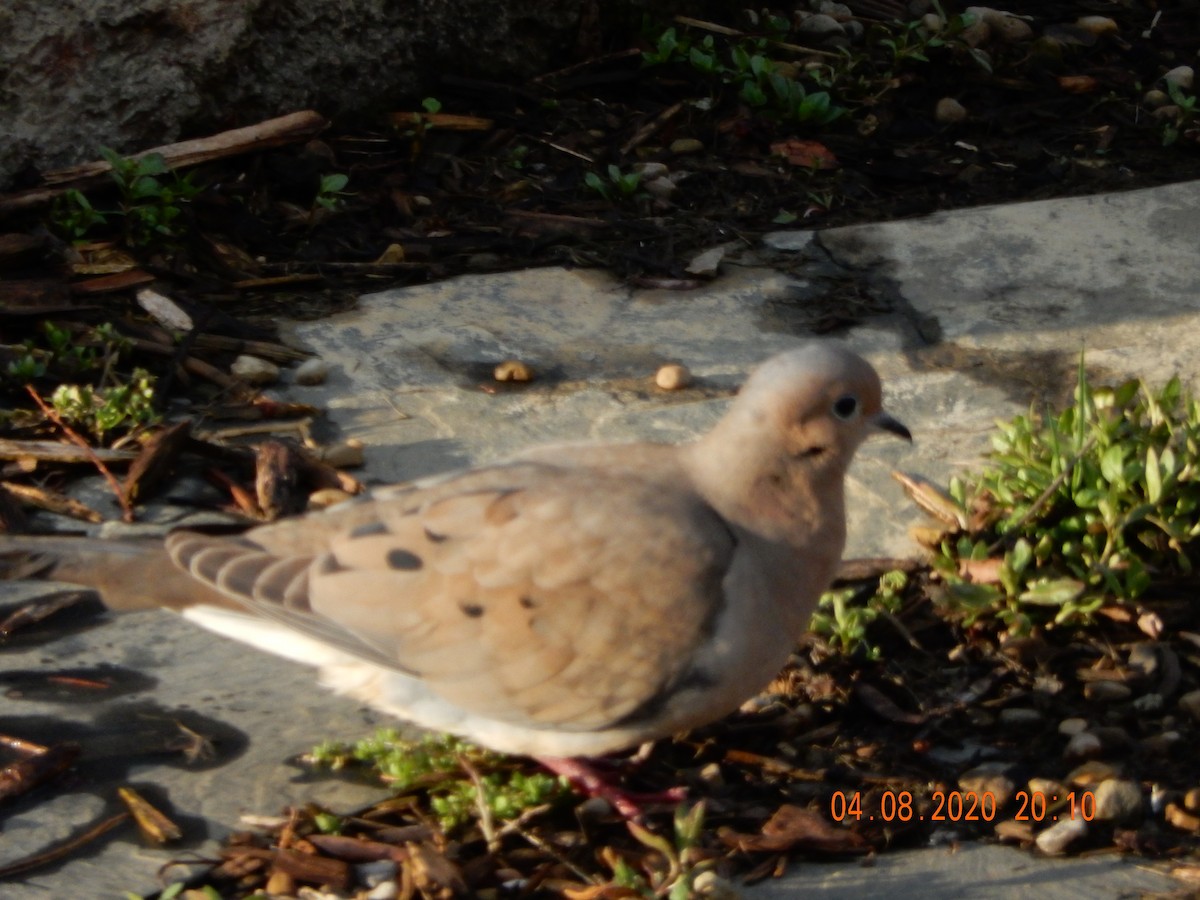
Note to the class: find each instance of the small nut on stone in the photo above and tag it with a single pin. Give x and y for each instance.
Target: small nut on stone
(949, 110)
(346, 455)
(513, 370)
(673, 377)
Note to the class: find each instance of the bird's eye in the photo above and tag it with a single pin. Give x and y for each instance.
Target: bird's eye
(845, 407)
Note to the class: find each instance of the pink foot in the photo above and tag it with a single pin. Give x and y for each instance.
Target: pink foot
(588, 781)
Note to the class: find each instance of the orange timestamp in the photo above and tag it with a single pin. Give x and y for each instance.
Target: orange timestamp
(962, 806)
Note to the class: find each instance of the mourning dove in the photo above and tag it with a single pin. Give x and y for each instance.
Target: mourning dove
(572, 600)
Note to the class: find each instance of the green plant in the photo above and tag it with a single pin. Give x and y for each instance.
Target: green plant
(671, 869)
(126, 405)
(1094, 503)
(619, 184)
(442, 766)
(74, 216)
(152, 197)
(1183, 116)
(63, 352)
(844, 626)
(330, 193)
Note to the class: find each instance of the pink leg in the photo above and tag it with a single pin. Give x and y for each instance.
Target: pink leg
(590, 782)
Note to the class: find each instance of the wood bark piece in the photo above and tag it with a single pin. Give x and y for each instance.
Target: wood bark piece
(38, 767)
(107, 284)
(52, 501)
(157, 459)
(276, 480)
(59, 452)
(298, 126)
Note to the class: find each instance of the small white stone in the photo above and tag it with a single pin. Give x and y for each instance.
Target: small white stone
(673, 377)
(1084, 745)
(1004, 25)
(1182, 77)
(346, 455)
(650, 170)
(311, 371)
(949, 111)
(714, 887)
(1119, 801)
(706, 263)
(1073, 725)
(1055, 839)
(818, 27)
(253, 370)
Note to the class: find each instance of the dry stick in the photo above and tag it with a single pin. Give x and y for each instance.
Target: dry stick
(77, 439)
(271, 133)
(651, 127)
(29, 863)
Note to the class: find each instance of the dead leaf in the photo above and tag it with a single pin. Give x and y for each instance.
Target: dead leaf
(806, 154)
(794, 828)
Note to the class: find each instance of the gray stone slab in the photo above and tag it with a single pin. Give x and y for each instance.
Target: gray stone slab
(988, 311)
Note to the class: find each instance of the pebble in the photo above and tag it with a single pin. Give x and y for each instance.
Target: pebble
(949, 111)
(327, 497)
(1097, 25)
(1004, 25)
(673, 377)
(1190, 704)
(1143, 658)
(651, 170)
(1180, 818)
(253, 370)
(1119, 801)
(346, 455)
(1191, 800)
(684, 146)
(1182, 77)
(713, 886)
(1073, 725)
(819, 27)
(311, 371)
(513, 370)
(990, 776)
(1107, 691)
(1047, 787)
(1020, 717)
(1091, 773)
(706, 263)
(1159, 744)
(1083, 745)
(1014, 831)
(1149, 703)
(1055, 839)
(1155, 98)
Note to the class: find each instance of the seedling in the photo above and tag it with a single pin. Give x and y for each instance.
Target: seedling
(619, 184)
(152, 197)
(438, 766)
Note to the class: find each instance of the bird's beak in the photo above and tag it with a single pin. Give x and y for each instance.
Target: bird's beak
(884, 422)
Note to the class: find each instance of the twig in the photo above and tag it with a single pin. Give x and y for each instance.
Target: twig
(650, 128)
(487, 824)
(77, 439)
(29, 863)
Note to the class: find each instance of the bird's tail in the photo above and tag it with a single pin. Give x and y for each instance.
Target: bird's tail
(128, 574)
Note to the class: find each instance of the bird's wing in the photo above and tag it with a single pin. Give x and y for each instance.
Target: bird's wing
(530, 593)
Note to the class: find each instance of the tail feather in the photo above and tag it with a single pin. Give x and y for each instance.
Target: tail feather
(128, 574)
